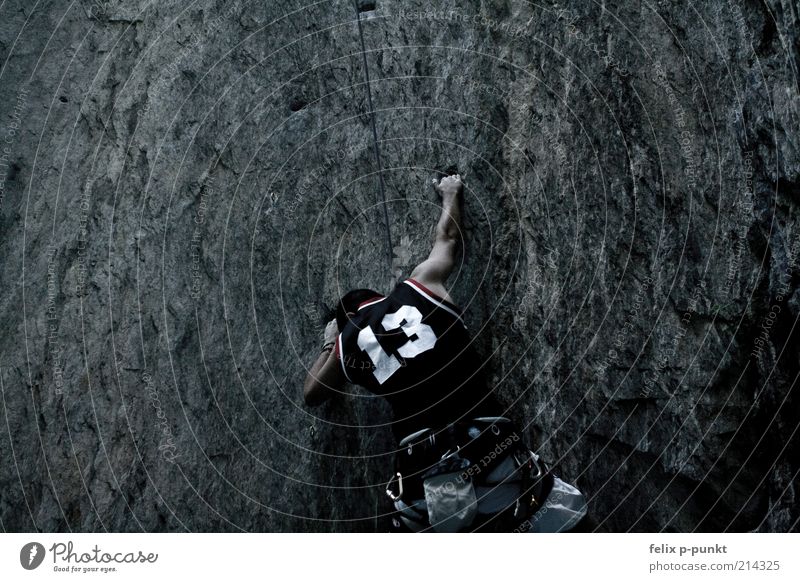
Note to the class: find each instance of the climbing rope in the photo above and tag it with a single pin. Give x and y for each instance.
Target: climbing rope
(389, 248)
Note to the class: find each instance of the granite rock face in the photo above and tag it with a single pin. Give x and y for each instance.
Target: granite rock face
(186, 184)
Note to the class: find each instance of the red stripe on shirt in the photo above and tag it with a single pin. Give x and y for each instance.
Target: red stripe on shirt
(424, 289)
(374, 299)
(428, 291)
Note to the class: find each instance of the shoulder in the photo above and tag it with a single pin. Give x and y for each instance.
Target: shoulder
(412, 287)
(433, 288)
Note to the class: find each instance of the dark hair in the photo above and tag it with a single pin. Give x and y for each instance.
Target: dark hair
(350, 302)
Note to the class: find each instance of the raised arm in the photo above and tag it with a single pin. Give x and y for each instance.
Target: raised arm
(325, 378)
(434, 271)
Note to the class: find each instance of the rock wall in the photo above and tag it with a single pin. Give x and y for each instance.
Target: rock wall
(186, 184)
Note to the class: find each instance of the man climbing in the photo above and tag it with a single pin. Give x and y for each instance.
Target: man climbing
(460, 465)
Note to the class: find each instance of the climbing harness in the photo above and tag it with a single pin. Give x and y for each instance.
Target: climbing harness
(469, 475)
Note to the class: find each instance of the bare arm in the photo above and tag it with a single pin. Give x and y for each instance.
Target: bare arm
(325, 378)
(435, 270)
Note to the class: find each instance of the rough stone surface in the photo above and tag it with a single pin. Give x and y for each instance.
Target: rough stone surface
(185, 183)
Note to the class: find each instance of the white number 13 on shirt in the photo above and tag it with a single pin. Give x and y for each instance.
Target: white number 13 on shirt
(410, 320)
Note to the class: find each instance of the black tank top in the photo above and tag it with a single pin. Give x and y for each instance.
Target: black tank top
(412, 347)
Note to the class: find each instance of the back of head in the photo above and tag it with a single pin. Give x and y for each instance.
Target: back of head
(349, 304)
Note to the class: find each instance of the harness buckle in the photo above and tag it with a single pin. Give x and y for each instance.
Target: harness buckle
(448, 453)
(399, 478)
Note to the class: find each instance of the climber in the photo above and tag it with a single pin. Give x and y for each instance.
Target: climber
(460, 466)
